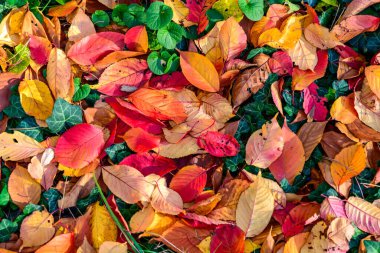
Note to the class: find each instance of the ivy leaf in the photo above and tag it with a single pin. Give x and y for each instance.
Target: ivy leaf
(7, 227)
(64, 116)
(50, 199)
(253, 9)
(372, 246)
(100, 18)
(159, 15)
(170, 35)
(4, 195)
(15, 110)
(29, 127)
(118, 152)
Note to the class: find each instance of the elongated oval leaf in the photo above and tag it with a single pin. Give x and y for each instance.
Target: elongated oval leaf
(199, 71)
(365, 215)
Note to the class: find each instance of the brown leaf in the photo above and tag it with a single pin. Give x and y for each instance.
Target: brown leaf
(249, 82)
(311, 134)
(182, 238)
(332, 142)
(22, 188)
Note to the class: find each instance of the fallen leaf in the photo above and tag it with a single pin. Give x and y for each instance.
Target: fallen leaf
(227, 238)
(37, 229)
(61, 244)
(199, 71)
(81, 26)
(36, 99)
(364, 215)
(255, 208)
(23, 189)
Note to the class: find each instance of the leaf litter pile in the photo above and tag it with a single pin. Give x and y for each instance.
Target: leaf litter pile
(190, 126)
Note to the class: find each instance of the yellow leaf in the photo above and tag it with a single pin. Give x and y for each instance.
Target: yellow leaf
(255, 208)
(22, 188)
(180, 12)
(15, 21)
(286, 37)
(37, 229)
(103, 228)
(348, 163)
(372, 74)
(229, 8)
(161, 222)
(36, 99)
(113, 247)
(81, 26)
(304, 54)
(18, 146)
(142, 219)
(295, 243)
(73, 172)
(343, 110)
(199, 71)
(250, 246)
(204, 246)
(59, 75)
(257, 28)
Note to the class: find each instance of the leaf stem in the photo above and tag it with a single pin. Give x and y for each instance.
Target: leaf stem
(130, 239)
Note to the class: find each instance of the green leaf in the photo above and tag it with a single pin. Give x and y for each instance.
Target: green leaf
(170, 35)
(129, 15)
(50, 199)
(159, 15)
(331, 2)
(29, 209)
(263, 50)
(118, 152)
(20, 59)
(163, 63)
(29, 127)
(100, 18)
(292, 7)
(126, 210)
(4, 195)
(252, 9)
(81, 90)
(15, 110)
(16, 3)
(372, 246)
(82, 204)
(64, 116)
(7, 227)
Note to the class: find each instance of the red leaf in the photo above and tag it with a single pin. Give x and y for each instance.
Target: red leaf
(124, 77)
(150, 163)
(176, 81)
(198, 9)
(133, 117)
(140, 141)
(189, 182)
(218, 144)
(313, 104)
(281, 63)
(227, 238)
(199, 221)
(39, 49)
(79, 146)
(94, 47)
(303, 78)
(112, 202)
(136, 39)
(294, 222)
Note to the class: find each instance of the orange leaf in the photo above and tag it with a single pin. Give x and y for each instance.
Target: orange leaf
(233, 39)
(136, 39)
(81, 26)
(37, 229)
(199, 71)
(160, 104)
(141, 141)
(372, 74)
(288, 165)
(63, 10)
(348, 163)
(60, 244)
(343, 109)
(22, 188)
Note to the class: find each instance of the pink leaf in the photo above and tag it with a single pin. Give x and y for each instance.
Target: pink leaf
(79, 146)
(281, 63)
(94, 47)
(218, 144)
(331, 208)
(313, 104)
(39, 49)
